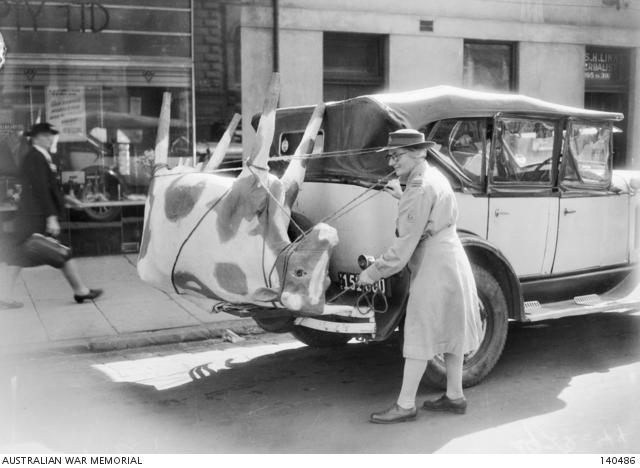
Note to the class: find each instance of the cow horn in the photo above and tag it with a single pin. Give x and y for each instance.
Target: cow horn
(294, 175)
(162, 137)
(266, 128)
(223, 145)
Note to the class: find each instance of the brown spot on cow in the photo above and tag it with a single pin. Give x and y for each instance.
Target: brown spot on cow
(180, 199)
(188, 281)
(246, 200)
(231, 278)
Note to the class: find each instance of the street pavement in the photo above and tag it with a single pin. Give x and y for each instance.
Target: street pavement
(129, 314)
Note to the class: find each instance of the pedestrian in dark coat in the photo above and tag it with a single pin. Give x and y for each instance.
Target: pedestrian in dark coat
(39, 210)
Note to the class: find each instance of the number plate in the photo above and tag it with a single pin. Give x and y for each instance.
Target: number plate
(350, 281)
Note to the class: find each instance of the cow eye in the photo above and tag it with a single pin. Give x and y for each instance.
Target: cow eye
(300, 272)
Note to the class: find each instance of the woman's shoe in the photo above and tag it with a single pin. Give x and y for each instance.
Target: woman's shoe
(395, 414)
(444, 403)
(4, 305)
(91, 295)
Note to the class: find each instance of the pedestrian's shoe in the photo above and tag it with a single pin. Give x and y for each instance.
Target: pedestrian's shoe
(395, 414)
(91, 295)
(9, 304)
(444, 403)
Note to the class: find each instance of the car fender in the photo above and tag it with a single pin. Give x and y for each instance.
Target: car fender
(487, 254)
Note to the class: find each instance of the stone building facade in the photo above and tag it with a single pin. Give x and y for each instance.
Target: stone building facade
(577, 52)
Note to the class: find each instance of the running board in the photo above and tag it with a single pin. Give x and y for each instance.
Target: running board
(344, 310)
(623, 298)
(351, 328)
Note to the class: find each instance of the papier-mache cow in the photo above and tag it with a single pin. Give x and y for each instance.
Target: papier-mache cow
(225, 239)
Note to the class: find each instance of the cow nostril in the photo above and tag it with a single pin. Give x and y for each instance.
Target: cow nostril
(300, 272)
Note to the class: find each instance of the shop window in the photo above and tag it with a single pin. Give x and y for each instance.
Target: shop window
(354, 64)
(489, 66)
(108, 121)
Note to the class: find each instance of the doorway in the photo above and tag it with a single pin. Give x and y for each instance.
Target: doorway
(613, 102)
(606, 73)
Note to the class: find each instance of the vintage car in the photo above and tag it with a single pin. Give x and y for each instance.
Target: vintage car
(550, 229)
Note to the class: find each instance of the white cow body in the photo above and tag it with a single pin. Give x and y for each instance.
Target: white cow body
(226, 239)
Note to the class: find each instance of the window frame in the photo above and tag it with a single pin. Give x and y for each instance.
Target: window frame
(513, 71)
(569, 159)
(449, 160)
(526, 186)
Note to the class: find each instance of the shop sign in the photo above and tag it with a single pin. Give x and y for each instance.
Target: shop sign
(66, 110)
(605, 66)
(26, 14)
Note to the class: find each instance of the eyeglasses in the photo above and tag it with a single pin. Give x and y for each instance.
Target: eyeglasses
(395, 156)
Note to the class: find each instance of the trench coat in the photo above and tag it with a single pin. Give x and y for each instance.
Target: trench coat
(442, 311)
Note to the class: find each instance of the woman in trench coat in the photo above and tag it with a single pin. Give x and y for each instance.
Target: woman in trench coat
(442, 312)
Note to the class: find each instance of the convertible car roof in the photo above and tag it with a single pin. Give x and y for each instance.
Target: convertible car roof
(364, 122)
(416, 108)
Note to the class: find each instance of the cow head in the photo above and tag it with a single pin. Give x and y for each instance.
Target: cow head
(226, 239)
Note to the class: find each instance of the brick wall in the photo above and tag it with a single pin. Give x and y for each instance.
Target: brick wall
(216, 96)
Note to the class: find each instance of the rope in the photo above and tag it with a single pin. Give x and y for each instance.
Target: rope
(346, 209)
(320, 155)
(288, 250)
(175, 262)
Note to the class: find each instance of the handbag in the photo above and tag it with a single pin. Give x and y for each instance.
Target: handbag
(42, 250)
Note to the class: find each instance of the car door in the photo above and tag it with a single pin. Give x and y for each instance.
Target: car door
(593, 229)
(523, 199)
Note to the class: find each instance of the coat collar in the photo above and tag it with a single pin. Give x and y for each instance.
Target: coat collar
(416, 173)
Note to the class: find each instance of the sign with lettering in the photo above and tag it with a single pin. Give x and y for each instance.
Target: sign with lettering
(66, 111)
(122, 27)
(605, 66)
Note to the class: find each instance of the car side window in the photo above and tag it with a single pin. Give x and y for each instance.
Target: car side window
(524, 151)
(590, 150)
(464, 142)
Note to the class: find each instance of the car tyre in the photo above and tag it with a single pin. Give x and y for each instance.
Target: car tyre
(275, 324)
(319, 339)
(494, 314)
(106, 189)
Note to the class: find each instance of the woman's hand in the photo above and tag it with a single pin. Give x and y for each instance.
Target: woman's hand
(393, 188)
(365, 279)
(53, 227)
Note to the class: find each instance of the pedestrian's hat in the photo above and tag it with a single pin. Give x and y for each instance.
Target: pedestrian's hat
(42, 127)
(407, 138)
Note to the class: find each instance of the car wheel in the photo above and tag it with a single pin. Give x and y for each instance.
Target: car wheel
(100, 186)
(494, 314)
(318, 338)
(275, 324)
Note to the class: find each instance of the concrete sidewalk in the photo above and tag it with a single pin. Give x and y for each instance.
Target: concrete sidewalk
(130, 313)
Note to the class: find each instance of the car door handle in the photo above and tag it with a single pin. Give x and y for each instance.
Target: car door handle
(568, 211)
(499, 212)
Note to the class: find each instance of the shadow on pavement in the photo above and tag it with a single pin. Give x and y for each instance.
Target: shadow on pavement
(303, 400)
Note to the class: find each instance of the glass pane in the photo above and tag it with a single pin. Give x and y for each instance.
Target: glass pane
(353, 57)
(590, 147)
(464, 143)
(524, 151)
(108, 120)
(488, 66)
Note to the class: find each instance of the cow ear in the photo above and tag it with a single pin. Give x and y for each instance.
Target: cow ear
(266, 295)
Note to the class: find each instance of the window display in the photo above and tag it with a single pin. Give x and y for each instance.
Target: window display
(97, 73)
